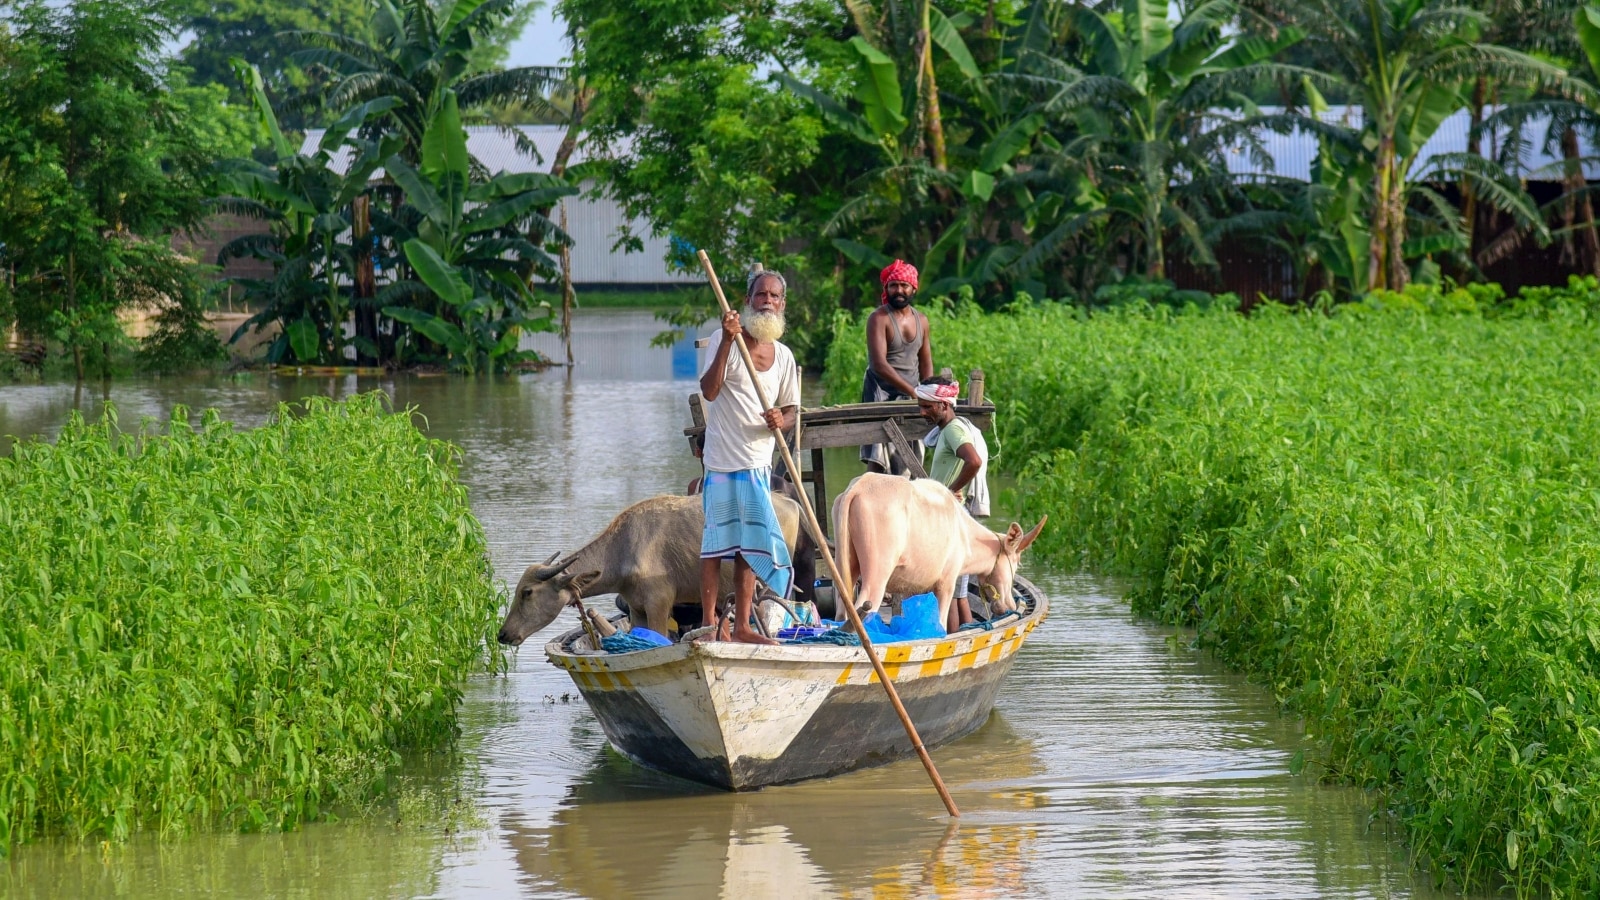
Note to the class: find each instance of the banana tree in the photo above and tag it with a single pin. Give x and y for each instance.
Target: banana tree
(419, 52)
(1146, 116)
(1406, 62)
(307, 202)
(1569, 115)
(467, 244)
(939, 204)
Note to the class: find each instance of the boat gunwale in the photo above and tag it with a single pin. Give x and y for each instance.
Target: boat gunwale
(896, 653)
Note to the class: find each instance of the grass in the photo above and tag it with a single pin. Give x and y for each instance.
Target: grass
(213, 627)
(1390, 517)
(642, 298)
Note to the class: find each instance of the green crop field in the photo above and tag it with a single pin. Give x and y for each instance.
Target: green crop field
(1389, 516)
(240, 628)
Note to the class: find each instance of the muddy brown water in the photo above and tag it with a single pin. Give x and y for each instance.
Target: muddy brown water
(1119, 762)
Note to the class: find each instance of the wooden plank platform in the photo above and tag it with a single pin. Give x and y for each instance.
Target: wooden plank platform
(863, 423)
(897, 422)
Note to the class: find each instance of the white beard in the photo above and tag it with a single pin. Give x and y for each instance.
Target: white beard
(763, 326)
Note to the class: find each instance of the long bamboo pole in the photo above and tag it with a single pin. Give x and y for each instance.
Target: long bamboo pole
(841, 591)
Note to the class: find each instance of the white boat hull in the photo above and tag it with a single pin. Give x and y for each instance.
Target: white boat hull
(741, 717)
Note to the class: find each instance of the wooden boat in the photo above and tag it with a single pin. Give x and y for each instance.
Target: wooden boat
(740, 716)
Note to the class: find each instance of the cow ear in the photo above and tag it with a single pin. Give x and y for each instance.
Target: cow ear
(580, 583)
(1012, 533)
(1029, 538)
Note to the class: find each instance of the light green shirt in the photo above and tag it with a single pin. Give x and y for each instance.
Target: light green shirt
(946, 464)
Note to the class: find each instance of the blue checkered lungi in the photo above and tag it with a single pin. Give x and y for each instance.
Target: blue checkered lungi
(740, 521)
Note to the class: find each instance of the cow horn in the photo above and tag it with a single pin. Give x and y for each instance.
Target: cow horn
(549, 570)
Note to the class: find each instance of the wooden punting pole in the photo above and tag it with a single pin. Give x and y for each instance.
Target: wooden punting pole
(843, 592)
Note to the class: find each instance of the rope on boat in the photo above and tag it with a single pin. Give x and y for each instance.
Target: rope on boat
(623, 642)
(988, 624)
(837, 636)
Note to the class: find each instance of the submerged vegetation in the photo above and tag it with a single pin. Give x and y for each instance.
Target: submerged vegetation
(1389, 516)
(211, 626)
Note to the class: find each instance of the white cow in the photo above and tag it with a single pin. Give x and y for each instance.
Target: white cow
(911, 537)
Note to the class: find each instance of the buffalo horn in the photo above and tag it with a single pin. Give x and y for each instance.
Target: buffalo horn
(551, 570)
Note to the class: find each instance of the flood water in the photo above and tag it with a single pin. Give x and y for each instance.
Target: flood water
(1119, 762)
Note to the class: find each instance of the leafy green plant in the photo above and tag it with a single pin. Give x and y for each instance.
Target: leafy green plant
(465, 241)
(307, 201)
(1582, 294)
(1388, 519)
(104, 152)
(214, 627)
(1432, 299)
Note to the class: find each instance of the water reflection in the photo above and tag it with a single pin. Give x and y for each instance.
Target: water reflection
(831, 838)
(615, 344)
(1118, 764)
(314, 863)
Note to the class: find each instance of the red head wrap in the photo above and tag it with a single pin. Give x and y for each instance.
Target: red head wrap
(899, 270)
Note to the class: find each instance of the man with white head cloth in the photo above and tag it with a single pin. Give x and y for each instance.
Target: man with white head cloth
(740, 522)
(960, 463)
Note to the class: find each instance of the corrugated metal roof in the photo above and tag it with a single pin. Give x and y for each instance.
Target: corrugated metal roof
(1292, 154)
(595, 223)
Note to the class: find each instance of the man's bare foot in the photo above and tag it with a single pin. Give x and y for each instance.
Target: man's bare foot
(748, 635)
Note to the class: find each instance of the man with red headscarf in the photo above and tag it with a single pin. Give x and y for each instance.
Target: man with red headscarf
(899, 354)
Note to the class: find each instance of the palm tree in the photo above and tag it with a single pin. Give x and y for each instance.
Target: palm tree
(1536, 26)
(1570, 113)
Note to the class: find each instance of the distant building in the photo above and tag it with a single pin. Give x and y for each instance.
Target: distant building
(1537, 159)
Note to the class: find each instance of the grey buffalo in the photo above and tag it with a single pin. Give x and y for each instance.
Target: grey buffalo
(649, 556)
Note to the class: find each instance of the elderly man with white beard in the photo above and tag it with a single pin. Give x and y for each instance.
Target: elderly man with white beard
(740, 521)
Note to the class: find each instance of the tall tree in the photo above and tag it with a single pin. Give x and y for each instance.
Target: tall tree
(1149, 109)
(1572, 117)
(1534, 26)
(259, 32)
(254, 30)
(106, 153)
(309, 206)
